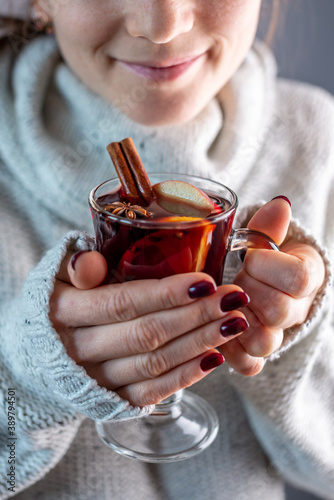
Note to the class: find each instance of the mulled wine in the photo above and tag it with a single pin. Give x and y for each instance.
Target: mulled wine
(160, 242)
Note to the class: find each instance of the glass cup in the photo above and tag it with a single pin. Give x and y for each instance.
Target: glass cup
(183, 424)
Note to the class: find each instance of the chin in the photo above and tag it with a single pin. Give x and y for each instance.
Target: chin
(162, 116)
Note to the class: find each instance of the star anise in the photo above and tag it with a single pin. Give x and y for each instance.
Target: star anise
(130, 211)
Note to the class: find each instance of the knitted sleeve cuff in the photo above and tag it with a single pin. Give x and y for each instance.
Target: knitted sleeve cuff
(44, 354)
(297, 232)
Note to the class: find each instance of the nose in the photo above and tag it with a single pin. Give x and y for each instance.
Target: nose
(160, 21)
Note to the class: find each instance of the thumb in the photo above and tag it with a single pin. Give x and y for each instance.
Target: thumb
(84, 269)
(273, 219)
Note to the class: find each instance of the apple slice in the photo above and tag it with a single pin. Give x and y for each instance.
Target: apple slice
(178, 197)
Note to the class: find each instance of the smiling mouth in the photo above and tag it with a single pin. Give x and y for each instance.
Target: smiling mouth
(160, 72)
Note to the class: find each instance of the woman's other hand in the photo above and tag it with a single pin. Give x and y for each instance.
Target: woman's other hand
(281, 286)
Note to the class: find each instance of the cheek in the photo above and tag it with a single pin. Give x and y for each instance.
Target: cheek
(92, 31)
(233, 18)
(234, 26)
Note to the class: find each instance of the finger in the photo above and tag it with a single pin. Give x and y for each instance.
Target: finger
(237, 357)
(273, 307)
(258, 340)
(297, 275)
(84, 269)
(132, 369)
(272, 219)
(146, 333)
(152, 392)
(109, 304)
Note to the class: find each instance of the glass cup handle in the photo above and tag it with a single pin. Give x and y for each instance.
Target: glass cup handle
(244, 238)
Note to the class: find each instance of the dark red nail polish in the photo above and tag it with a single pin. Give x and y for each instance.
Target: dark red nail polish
(233, 326)
(75, 258)
(201, 289)
(234, 300)
(212, 361)
(283, 198)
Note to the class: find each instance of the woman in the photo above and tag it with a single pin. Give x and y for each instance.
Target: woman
(187, 83)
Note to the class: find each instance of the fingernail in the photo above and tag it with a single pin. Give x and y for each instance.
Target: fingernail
(234, 300)
(233, 326)
(75, 258)
(212, 361)
(201, 289)
(283, 198)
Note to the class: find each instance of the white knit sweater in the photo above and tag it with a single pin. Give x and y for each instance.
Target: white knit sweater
(261, 137)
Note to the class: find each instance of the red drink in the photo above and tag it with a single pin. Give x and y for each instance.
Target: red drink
(165, 244)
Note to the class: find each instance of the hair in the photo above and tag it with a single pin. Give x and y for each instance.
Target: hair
(273, 14)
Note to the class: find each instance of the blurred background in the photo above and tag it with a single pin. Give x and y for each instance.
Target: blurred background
(304, 48)
(304, 41)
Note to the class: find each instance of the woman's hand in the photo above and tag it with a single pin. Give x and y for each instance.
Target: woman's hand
(143, 339)
(281, 286)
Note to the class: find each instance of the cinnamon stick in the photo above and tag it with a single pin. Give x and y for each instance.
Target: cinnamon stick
(130, 170)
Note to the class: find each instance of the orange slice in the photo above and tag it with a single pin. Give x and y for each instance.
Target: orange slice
(168, 251)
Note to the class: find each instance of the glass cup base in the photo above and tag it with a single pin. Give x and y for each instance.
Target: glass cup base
(174, 432)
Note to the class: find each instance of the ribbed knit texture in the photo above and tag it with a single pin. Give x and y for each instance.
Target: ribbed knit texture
(260, 137)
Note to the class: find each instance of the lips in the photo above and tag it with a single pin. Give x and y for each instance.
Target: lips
(162, 71)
